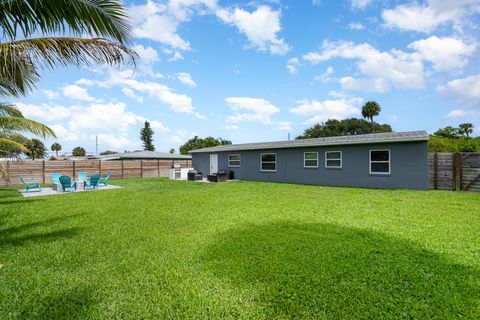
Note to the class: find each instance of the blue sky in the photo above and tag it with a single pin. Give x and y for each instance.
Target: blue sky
(257, 70)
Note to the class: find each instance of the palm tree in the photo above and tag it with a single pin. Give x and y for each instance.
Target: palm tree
(370, 110)
(36, 148)
(12, 125)
(56, 147)
(466, 129)
(21, 60)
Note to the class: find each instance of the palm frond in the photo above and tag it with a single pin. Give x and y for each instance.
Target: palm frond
(20, 59)
(9, 110)
(100, 18)
(10, 146)
(17, 124)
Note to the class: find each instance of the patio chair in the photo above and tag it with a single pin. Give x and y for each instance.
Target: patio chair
(30, 185)
(82, 176)
(55, 177)
(66, 183)
(105, 180)
(93, 183)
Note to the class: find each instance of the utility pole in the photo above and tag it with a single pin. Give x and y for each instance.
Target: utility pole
(96, 146)
(289, 136)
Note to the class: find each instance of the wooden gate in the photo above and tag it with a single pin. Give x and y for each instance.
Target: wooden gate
(454, 171)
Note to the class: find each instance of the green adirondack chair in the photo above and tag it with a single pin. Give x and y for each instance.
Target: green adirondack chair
(30, 185)
(105, 180)
(66, 183)
(93, 183)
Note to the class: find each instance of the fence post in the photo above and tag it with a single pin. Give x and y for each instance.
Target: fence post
(141, 169)
(100, 167)
(457, 171)
(122, 168)
(7, 181)
(158, 168)
(43, 171)
(74, 169)
(435, 171)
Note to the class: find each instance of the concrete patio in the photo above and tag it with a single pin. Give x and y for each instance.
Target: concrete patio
(48, 191)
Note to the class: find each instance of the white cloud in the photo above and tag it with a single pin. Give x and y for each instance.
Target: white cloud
(466, 90)
(147, 55)
(356, 26)
(250, 110)
(113, 141)
(368, 85)
(293, 64)
(326, 76)
(446, 54)
(461, 113)
(428, 17)
(360, 4)
(86, 82)
(76, 93)
(158, 126)
(321, 111)
(50, 94)
(395, 67)
(260, 26)
(186, 79)
(284, 125)
(129, 93)
(44, 111)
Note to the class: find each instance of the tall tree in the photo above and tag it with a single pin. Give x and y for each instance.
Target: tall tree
(199, 143)
(448, 132)
(146, 135)
(56, 147)
(36, 149)
(370, 110)
(22, 57)
(465, 129)
(79, 152)
(346, 127)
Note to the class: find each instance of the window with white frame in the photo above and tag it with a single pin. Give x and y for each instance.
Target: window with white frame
(234, 160)
(268, 162)
(379, 161)
(310, 159)
(333, 159)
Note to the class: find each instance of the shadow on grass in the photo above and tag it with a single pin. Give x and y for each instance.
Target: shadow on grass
(18, 235)
(73, 304)
(324, 271)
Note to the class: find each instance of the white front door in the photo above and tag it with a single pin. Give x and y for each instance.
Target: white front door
(213, 163)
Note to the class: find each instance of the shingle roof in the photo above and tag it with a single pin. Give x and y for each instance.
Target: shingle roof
(146, 155)
(329, 141)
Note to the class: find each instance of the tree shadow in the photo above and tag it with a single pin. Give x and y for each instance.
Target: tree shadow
(18, 235)
(289, 270)
(75, 303)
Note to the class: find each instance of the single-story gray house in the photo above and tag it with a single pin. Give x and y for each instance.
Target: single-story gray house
(396, 160)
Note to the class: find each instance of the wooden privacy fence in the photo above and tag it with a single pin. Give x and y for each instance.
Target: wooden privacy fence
(454, 171)
(40, 171)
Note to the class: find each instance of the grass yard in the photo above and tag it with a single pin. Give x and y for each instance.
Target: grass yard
(173, 249)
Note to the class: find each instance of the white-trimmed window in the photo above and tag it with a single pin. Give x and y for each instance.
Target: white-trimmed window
(268, 162)
(310, 159)
(333, 159)
(380, 161)
(234, 160)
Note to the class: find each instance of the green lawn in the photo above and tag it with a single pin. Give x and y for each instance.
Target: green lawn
(173, 249)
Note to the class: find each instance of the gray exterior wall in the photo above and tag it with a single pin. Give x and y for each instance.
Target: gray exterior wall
(408, 166)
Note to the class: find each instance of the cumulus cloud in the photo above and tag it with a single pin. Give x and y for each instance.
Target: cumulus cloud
(148, 55)
(326, 76)
(394, 67)
(466, 93)
(261, 27)
(293, 64)
(428, 17)
(321, 111)
(446, 54)
(186, 79)
(250, 110)
(50, 94)
(113, 141)
(75, 92)
(158, 126)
